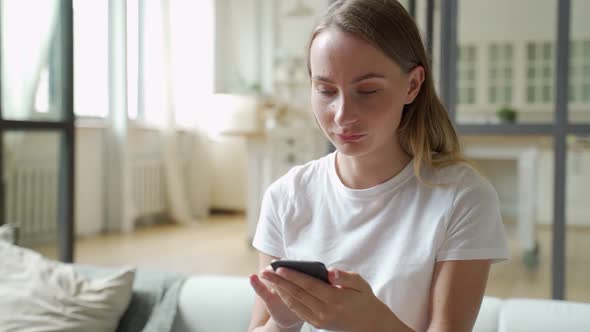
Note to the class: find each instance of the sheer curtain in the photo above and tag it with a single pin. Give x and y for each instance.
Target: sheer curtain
(184, 59)
(120, 212)
(173, 170)
(177, 77)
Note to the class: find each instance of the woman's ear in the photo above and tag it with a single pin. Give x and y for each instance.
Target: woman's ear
(416, 78)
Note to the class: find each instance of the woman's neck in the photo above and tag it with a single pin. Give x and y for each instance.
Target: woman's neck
(367, 171)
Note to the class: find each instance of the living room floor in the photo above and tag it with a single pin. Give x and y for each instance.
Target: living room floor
(219, 245)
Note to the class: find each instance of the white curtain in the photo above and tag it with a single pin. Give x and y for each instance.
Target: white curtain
(187, 35)
(178, 78)
(120, 213)
(191, 50)
(173, 170)
(28, 27)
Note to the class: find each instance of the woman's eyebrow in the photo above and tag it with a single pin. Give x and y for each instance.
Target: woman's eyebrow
(367, 76)
(322, 78)
(355, 80)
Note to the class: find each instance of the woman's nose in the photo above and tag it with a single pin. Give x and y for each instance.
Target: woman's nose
(344, 114)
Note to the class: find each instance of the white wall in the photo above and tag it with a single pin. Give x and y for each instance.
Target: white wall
(237, 43)
(293, 32)
(228, 177)
(89, 191)
(522, 20)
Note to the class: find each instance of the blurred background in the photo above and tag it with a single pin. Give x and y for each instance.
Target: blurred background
(144, 133)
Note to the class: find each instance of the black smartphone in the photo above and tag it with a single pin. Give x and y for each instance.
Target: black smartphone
(315, 269)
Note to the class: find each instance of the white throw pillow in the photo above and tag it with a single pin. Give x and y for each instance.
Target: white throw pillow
(38, 294)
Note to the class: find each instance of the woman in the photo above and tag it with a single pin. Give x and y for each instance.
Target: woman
(408, 229)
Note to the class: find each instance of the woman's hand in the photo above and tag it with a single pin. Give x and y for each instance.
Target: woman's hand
(282, 316)
(347, 304)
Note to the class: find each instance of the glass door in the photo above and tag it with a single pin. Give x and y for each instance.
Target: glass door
(37, 124)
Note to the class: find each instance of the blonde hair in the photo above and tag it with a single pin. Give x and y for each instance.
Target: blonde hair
(425, 131)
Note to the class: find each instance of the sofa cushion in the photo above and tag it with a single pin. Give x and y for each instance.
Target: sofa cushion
(524, 315)
(38, 294)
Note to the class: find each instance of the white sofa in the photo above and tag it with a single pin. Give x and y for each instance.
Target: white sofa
(223, 304)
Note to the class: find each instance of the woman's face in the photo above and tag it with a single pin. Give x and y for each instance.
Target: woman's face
(358, 93)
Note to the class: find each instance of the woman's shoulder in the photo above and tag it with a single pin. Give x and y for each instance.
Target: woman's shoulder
(303, 175)
(460, 176)
(461, 186)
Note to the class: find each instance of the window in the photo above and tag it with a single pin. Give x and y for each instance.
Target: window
(191, 52)
(500, 74)
(539, 73)
(191, 58)
(579, 89)
(32, 61)
(466, 69)
(91, 97)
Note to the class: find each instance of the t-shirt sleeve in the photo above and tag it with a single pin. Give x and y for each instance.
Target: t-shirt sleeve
(474, 228)
(268, 237)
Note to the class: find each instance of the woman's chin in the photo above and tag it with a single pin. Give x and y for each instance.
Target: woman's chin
(352, 150)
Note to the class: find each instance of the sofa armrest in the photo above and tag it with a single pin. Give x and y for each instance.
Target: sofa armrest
(214, 304)
(487, 319)
(519, 315)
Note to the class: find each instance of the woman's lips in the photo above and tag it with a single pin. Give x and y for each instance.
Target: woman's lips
(350, 137)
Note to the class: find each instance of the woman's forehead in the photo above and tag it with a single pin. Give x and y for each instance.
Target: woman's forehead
(334, 40)
(336, 52)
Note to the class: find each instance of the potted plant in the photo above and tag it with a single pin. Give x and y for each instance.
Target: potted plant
(507, 114)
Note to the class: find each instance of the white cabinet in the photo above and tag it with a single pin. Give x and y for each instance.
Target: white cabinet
(272, 155)
(288, 148)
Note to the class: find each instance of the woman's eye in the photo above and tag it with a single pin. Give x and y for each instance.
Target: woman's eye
(368, 92)
(326, 92)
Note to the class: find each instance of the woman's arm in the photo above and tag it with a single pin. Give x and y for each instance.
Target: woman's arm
(456, 293)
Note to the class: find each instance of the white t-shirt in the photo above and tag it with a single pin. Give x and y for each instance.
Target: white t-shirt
(391, 234)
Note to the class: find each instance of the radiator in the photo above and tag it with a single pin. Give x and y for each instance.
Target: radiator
(32, 201)
(148, 188)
